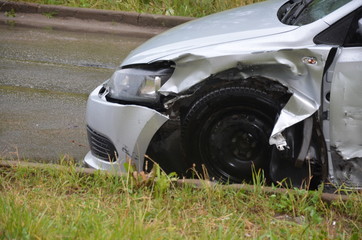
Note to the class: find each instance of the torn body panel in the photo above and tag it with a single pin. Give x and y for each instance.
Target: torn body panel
(302, 78)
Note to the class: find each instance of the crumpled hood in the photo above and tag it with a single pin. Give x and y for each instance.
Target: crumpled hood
(238, 24)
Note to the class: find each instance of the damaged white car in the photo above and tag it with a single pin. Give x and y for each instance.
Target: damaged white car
(275, 86)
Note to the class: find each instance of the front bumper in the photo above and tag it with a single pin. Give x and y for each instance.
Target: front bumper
(127, 128)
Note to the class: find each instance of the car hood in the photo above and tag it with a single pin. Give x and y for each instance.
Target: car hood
(238, 24)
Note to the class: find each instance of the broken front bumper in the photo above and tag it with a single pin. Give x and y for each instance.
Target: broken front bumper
(118, 133)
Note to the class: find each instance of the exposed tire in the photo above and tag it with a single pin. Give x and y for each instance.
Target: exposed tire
(228, 131)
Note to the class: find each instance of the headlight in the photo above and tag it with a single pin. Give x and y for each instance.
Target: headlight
(139, 83)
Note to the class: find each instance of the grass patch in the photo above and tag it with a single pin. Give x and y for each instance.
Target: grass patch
(192, 8)
(53, 203)
(10, 13)
(50, 14)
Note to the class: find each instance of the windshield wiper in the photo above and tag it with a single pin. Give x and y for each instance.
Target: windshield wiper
(294, 10)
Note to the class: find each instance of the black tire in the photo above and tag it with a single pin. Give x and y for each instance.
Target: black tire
(228, 131)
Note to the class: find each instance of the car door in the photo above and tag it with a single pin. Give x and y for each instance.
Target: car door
(345, 126)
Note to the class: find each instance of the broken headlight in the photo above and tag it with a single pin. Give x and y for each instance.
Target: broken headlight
(138, 83)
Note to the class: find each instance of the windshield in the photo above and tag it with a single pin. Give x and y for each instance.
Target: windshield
(301, 12)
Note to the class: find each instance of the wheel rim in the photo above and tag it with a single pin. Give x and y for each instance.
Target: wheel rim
(233, 140)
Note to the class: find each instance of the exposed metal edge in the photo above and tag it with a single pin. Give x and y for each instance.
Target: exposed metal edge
(326, 197)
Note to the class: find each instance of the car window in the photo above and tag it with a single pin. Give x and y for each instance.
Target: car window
(302, 12)
(354, 35)
(345, 32)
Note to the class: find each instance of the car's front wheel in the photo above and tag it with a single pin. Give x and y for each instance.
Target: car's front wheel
(228, 130)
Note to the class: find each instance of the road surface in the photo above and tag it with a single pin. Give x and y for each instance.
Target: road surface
(45, 77)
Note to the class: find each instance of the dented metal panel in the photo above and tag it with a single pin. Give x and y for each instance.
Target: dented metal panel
(346, 103)
(346, 116)
(291, 68)
(227, 26)
(274, 56)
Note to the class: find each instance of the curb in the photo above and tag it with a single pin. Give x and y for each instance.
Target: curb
(137, 19)
(196, 183)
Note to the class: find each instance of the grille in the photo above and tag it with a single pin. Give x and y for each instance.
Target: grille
(101, 146)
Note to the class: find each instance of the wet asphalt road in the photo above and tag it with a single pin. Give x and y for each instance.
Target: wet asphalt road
(45, 77)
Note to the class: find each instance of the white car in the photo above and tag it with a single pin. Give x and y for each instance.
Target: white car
(275, 86)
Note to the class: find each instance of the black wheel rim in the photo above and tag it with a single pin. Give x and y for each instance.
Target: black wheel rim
(234, 139)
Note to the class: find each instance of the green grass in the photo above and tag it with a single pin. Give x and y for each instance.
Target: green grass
(192, 8)
(64, 204)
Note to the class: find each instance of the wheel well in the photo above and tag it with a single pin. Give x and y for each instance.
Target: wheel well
(269, 86)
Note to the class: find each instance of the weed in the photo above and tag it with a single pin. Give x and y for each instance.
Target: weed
(157, 179)
(10, 13)
(11, 23)
(50, 14)
(258, 179)
(49, 28)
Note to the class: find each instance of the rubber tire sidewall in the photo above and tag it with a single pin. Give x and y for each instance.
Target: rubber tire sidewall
(219, 100)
